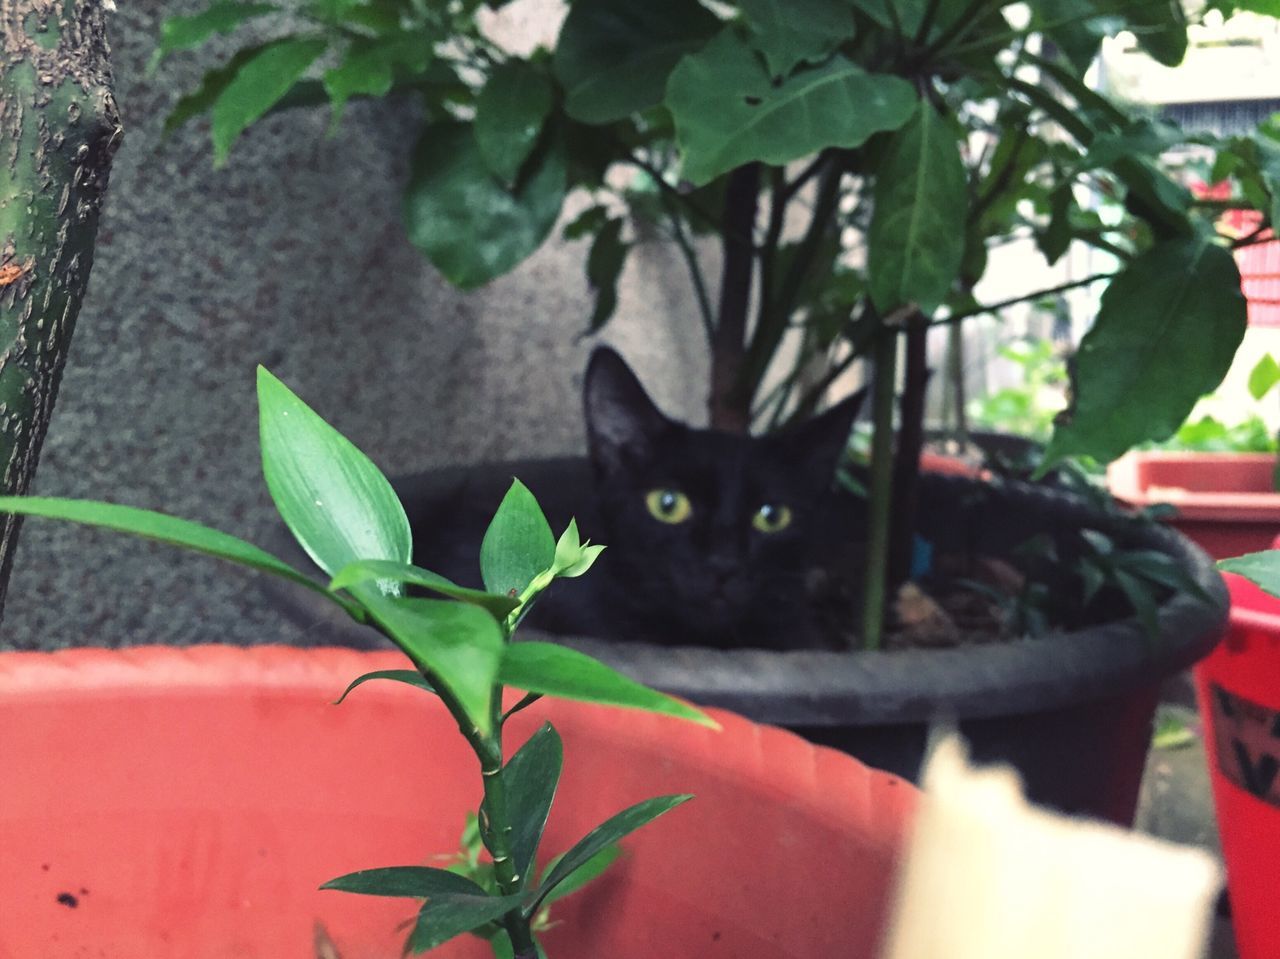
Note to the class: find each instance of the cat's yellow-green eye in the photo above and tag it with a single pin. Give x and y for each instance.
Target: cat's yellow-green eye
(668, 505)
(772, 518)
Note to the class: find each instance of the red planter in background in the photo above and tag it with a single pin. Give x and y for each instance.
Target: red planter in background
(1225, 502)
(1238, 686)
(160, 802)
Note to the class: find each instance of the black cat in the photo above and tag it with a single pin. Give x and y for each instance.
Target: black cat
(710, 536)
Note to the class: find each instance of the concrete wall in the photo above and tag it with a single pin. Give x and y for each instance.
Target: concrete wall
(292, 256)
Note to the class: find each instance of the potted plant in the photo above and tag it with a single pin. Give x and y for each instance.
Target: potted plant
(855, 165)
(228, 842)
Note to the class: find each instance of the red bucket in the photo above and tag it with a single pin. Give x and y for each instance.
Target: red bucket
(1239, 690)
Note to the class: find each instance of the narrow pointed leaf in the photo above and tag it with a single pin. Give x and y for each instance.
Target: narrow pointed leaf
(613, 57)
(564, 672)
(729, 111)
(1176, 316)
(1262, 569)
(459, 645)
(451, 914)
(415, 882)
(410, 677)
(592, 869)
(363, 571)
(257, 85)
(518, 545)
(334, 500)
(164, 529)
(916, 240)
(531, 777)
(606, 834)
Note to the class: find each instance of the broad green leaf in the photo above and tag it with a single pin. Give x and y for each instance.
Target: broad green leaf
(604, 266)
(369, 67)
(458, 645)
(592, 869)
(211, 86)
(916, 239)
(791, 32)
(613, 57)
(410, 677)
(335, 501)
(518, 545)
(164, 529)
(413, 882)
(564, 672)
(464, 219)
(499, 606)
(261, 80)
(729, 111)
(531, 777)
(1056, 236)
(510, 112)
(181, 33)
(1262, 569)
(449, 915)
(589, 221)
(909, 14)
(1264, 375)
(606, 834)
(1165, 335)
(1076, 27)
(1161, 29)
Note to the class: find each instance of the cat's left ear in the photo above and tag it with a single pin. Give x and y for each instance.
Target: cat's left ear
(817, 444)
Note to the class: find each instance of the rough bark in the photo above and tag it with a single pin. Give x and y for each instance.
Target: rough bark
(59, 129)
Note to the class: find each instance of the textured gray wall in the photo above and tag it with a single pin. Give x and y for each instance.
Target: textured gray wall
(291, 256)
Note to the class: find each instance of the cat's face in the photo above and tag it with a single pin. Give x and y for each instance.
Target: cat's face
(711, 531)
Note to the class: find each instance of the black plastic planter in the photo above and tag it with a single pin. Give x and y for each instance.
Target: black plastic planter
(1071, 711)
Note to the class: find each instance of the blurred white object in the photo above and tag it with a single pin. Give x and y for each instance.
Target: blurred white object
(989, 876)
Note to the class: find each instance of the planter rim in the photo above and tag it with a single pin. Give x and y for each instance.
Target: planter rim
(1128, 486)
(823, 688)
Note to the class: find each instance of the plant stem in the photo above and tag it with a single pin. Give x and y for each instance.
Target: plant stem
(906, 467)
(690, 255)
(728, 408)
(496, 831)
(1013, 301)
(880, 504)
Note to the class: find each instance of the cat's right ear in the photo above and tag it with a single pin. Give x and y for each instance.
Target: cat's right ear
(622, 422)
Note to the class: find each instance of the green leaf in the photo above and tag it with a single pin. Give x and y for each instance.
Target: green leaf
(510, 112)
(335, 501)
(164, 529)
(573, 557)
(791, 32)
(916, 239)
(457, 645)
(412, 882)
(604, 266)
(1262, 569)
(606, 834)
(1161, 29)
(910, 13)
(446, 916)
(1056, 237)
(613, 57)
(564, 672)
(499, 606)
(531, 777)
(1264, 375)
(592, 869)
(464, 219)
(260, 81)
(1165, 335)
(518, 545)
(410, 677)
(181, 33)
(729, 111)
(211, 86)
(369, 68)
(1140, 597)
(589, 221)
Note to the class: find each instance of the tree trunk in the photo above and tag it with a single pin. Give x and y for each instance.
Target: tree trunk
(58, 131)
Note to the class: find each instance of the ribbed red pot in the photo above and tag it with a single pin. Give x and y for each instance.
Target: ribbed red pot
(187, 803)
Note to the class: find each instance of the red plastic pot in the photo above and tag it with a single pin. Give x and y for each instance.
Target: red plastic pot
(1225, 501)
(1238, 686)
(187, 803)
